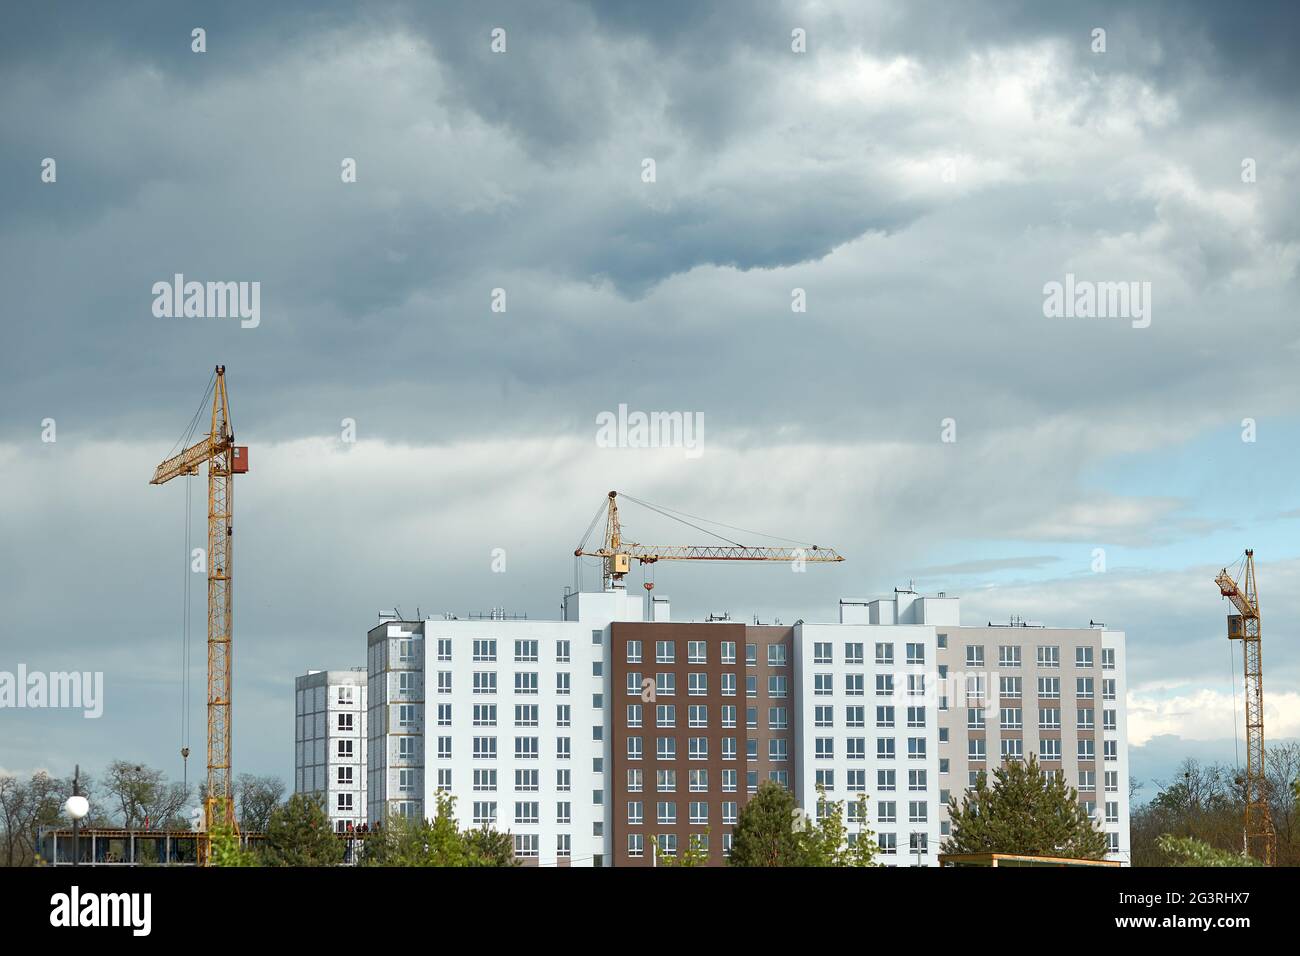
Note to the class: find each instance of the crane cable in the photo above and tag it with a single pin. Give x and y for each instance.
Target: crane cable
(187, 605)
(187, 602)
(1232, 673)
(674, 514)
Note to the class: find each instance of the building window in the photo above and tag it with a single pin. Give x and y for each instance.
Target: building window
(526, 845)
(485, 748)
(635, 845)
(974, 655)
(1083, 657)
(697, 684)
(1049, 656)
(444, 648)
(697, 652)
(728, 650)
(776, 655)
(525, 682)
(444, 682)
(916, 653)
(525, 652)
(485, 813)
(822, 652)
(485, 780)
(1008, 656)
(485, 651)
(1108, 658)
(665, 652)
(526, 748)
(485, 682)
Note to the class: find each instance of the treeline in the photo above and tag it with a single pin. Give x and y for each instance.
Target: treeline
(128, 795)
(1206, 802)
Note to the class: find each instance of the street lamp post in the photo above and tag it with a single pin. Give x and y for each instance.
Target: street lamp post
(76, 807)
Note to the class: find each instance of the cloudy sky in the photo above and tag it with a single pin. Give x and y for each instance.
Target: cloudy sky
(921, 171)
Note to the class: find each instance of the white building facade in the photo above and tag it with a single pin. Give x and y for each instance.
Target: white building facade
(866, 723)
(507, 716)
(330, 742)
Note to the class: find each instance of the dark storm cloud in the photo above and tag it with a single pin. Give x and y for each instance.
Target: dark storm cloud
(774, 172)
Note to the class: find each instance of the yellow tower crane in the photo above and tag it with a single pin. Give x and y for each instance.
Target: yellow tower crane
(1260, 841)
(618, 554)
(225, 459)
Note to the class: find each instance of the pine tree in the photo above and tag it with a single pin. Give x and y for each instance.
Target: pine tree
(764, 833)
(1024, 811)
(299, 834)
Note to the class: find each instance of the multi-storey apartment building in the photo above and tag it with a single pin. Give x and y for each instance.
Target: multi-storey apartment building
(1005, 692)
(867, 725)
(506, 716)
(330, 741)
(700, 714)
(614, 734)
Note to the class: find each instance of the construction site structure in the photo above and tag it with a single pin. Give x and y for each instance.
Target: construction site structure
(224, 459)
(1259, 837)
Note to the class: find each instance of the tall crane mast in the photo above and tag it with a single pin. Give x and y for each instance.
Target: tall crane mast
(1260, 841)
(618, 554)
(224, 459)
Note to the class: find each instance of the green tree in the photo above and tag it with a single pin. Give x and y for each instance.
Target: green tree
(764, 833)
(1024, 811)
(773, 831)
(226, 850)
(1189, 851)
(826, 841)
(696, 853)
(487, 847)
(437, 842)
(299, 834)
